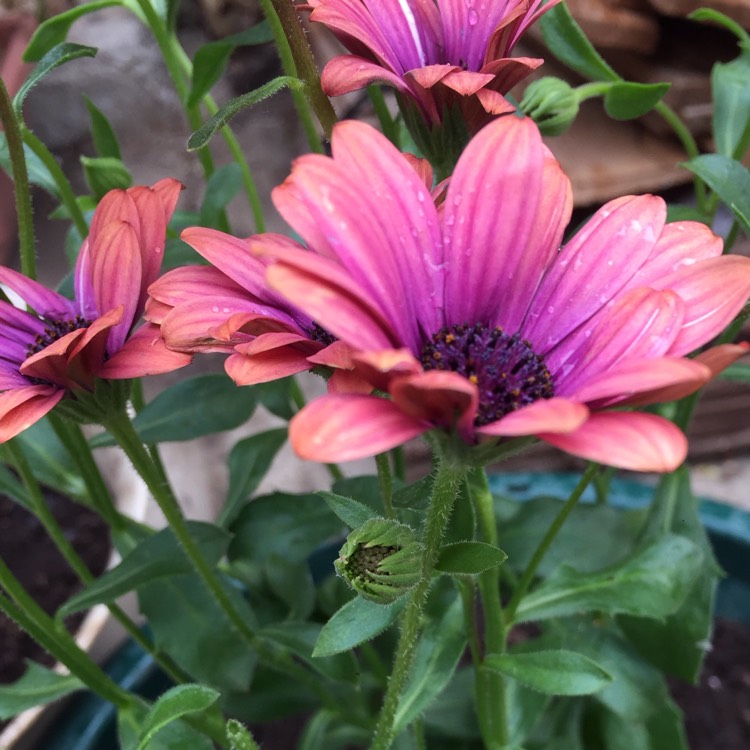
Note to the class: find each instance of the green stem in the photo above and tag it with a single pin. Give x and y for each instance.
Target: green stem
(64, 189)
(590, 90)
(386, 483)
(283, 47)
(304, 63)
(490, 686)
(27, 245)
(466, 590)
(387, 123)
(541, 550)
(399, 463)
(447, 485)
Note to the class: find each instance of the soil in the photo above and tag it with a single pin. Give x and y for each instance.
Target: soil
(31, 555)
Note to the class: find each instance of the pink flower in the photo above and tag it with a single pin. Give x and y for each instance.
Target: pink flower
(438, 53)
(472, 319)
(230, 309)
(59, 346)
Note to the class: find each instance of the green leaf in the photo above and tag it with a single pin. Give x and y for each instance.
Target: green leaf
(469, 558)
(36, 687)
(249, 462)
(276, 396)
(174, 736)
(651, 583)
(292, 583)
(102, 132)
(203, 135)
(452, 713)
(291, 526)
(177, 702)
(356, 622)
(12, 488)
(567, 42)
(438, 652)
(211, 59)
(54, 30)
(737, 373)
(104, 174)
(350, 511)
(159, 556)
(239, 737)
(189, 409)
(222, 186)
(729, 179)
(557, 672)
(730, 86)
(38, 173)
(58, 55)
(627, 101)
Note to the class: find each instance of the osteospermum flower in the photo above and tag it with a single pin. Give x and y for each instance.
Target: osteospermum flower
(229, 308)
(59, 346)
(472, 319)
(436, 53)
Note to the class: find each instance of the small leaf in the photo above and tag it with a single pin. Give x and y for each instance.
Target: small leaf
(567, 42)
(203, 135)
(276, 396)
(179, 701)
(172, 736)
(356, 622)
(211, 59)
(469, 558)
(12, 488)
(102, 132)
(552, 672)
(38, 173)
(353, 513)
(627, 101)
(730, 85)
(104, 174)
(239, 737)
(54, 30)
(157, 557)
(729, 179)
(249, 462)
(221, 188)
(57, 56)
(36, 687)
(189, 409)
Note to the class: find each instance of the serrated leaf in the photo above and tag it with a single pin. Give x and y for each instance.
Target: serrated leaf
(37, 172)
(558, 672)
(469, 558)
(36, 687)
(189, 409)
(353, 513)
(249, 462)
(102, 132)
(203, 135)
(158, 556)
(567, 42)
(729, 179)
(627, 101)
(356, 622)
(438, 652)
(58, 55)
(651, 583)
(211, 59)
(177, 702)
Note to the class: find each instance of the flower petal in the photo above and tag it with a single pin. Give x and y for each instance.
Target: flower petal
(558, 415)
(144, 353)
(347, 73)
(265, 366)
(344, 427)
(42, 300)
(625, 440)
(21, 408)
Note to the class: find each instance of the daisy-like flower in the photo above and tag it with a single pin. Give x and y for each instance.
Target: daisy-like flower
(60, 347)
(471, 318)
(436, 53)
(228, 308)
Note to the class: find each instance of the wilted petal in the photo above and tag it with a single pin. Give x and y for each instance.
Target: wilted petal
(344, 427)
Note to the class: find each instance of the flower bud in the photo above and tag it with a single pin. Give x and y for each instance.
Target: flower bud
(552, 103)
(381, 560)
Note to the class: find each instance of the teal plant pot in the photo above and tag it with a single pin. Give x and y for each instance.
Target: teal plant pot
(90, 724)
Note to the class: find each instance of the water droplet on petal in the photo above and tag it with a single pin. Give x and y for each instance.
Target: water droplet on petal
(473, 17)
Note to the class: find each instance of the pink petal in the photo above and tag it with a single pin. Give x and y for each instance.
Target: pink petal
(51, 364)
(431, 75)
(266, 366)
(275, 340)
(380, 367)
(21, 408)
(191, 282)
(42, 300)
(91, 350)
(340, 427)
(507, 72)
(494, 103)
(466, 82)
(558, 415)
(348, 381)
(348, 73)
(720, 357)
(144, 353)
(625, 440)
(337, 355)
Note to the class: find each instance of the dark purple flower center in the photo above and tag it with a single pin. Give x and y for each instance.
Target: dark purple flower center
(319, 334)
(505, 369)
(54, 330)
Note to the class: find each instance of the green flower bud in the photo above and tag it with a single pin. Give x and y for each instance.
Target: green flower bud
(381, 560)
(552, 103)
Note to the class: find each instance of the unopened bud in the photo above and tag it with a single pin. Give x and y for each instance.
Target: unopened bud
(552, 103)
(381, 560)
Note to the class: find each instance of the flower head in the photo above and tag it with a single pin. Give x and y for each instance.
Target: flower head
(436, 53)
(61, 346)
(472, 319)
